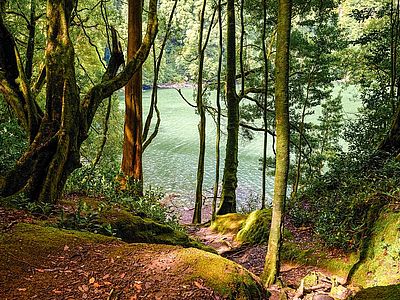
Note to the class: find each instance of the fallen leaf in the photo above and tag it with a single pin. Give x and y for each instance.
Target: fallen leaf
(66, 248)
(83, 288)
(199, 285)
(137, 287)
(92, 280)
(96, 285)
(122, 275)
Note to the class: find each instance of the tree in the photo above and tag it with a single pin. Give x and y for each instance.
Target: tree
(202, 123)
(228, 195)
(57, 133)
(131, 165)
(218, 121)
(272, 260)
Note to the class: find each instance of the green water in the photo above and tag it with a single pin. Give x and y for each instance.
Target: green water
(170, 162)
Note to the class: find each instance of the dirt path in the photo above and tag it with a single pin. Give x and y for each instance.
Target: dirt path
(253, 257)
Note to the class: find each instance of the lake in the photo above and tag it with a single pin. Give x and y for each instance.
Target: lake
(170, 161)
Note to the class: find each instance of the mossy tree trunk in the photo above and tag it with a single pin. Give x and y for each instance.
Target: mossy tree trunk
(57, 134)
(229, 182)
(202, 112)
(272, 260)
(202, 123)
(131, 165)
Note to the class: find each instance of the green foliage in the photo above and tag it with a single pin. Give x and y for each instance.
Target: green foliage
(86, 218)
(13, 139)
(103, 183)
(20, 201)
(343, 204)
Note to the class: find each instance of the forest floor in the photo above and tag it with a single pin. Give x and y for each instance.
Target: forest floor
(252, 257)
(95, 270)
(86, 272)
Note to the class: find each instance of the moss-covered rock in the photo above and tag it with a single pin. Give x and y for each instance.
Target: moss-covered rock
(229, 223)
(390, 292)
(134, 229)
(380, 257)
(224, 276)
(255, 230)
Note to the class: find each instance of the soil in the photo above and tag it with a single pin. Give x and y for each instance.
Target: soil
(252, 257)
(87, 272)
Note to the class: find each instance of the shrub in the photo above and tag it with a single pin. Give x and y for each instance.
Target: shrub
(343, 203)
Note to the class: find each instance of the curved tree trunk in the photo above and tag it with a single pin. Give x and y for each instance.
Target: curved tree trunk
(57, 135)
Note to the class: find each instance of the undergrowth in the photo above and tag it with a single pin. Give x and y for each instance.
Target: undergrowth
(342, 204)
(102, 183)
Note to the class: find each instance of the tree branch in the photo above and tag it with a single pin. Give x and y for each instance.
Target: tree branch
(110, 83)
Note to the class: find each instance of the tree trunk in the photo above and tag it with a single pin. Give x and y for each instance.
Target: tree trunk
(229, 185)
(131, 165)
(301, 134)
(265, 107)
(56, 137)
(218, 123)
(272, 260)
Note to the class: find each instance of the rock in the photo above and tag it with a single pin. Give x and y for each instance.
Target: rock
(340, 292)
(322, 297)
(310, 280)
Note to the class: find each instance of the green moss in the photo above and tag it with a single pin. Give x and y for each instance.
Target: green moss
(390, 292)
(380, 266)
(134, 229)
(255, 229)
(31, 244)
(382, 256)
(338, 266)
(317, 257)
(227, 278)
(229, 223)
(292, 252)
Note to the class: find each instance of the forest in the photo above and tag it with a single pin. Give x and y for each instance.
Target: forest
(204, 149)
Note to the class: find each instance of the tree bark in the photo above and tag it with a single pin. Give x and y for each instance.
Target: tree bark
(272, 260)
(218, 122)
(53, 152)
(131, 165)
(229, 185)
(265, 107)
(202, 112)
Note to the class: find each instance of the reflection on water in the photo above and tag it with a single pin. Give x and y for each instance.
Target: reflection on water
(170, 162)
